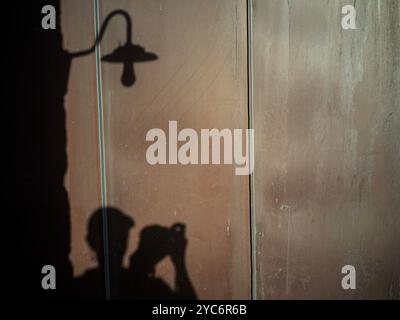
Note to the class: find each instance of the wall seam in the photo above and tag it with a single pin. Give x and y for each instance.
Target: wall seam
(103, 181)
(253, 250)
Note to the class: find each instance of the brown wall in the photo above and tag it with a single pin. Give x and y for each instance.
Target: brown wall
(82, 179)
(326, 182)
(199, 80)
(327, 153)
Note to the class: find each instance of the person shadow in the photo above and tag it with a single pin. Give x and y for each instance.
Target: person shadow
(139, 280)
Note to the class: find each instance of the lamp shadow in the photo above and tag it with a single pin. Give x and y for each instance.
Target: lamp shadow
(127, 55)
(139, 280)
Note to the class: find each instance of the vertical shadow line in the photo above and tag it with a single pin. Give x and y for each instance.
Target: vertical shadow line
(253, 250)
(103, 181)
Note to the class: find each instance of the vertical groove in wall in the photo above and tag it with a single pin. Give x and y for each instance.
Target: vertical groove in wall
(102, 152)
(253, 250)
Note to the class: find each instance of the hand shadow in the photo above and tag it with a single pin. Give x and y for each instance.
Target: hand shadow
(156, 243)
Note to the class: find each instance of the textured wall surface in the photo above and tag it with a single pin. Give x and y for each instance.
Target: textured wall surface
(327, 126)
(326, 120)
(199, 80)
(82, 179)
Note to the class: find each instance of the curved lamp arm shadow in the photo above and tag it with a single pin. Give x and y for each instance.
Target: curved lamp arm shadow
(102, 31)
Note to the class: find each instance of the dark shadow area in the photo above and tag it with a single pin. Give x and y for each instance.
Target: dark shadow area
(139, 280)
(36, 211)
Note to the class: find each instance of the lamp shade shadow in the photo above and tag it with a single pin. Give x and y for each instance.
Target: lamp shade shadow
(128, 54)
